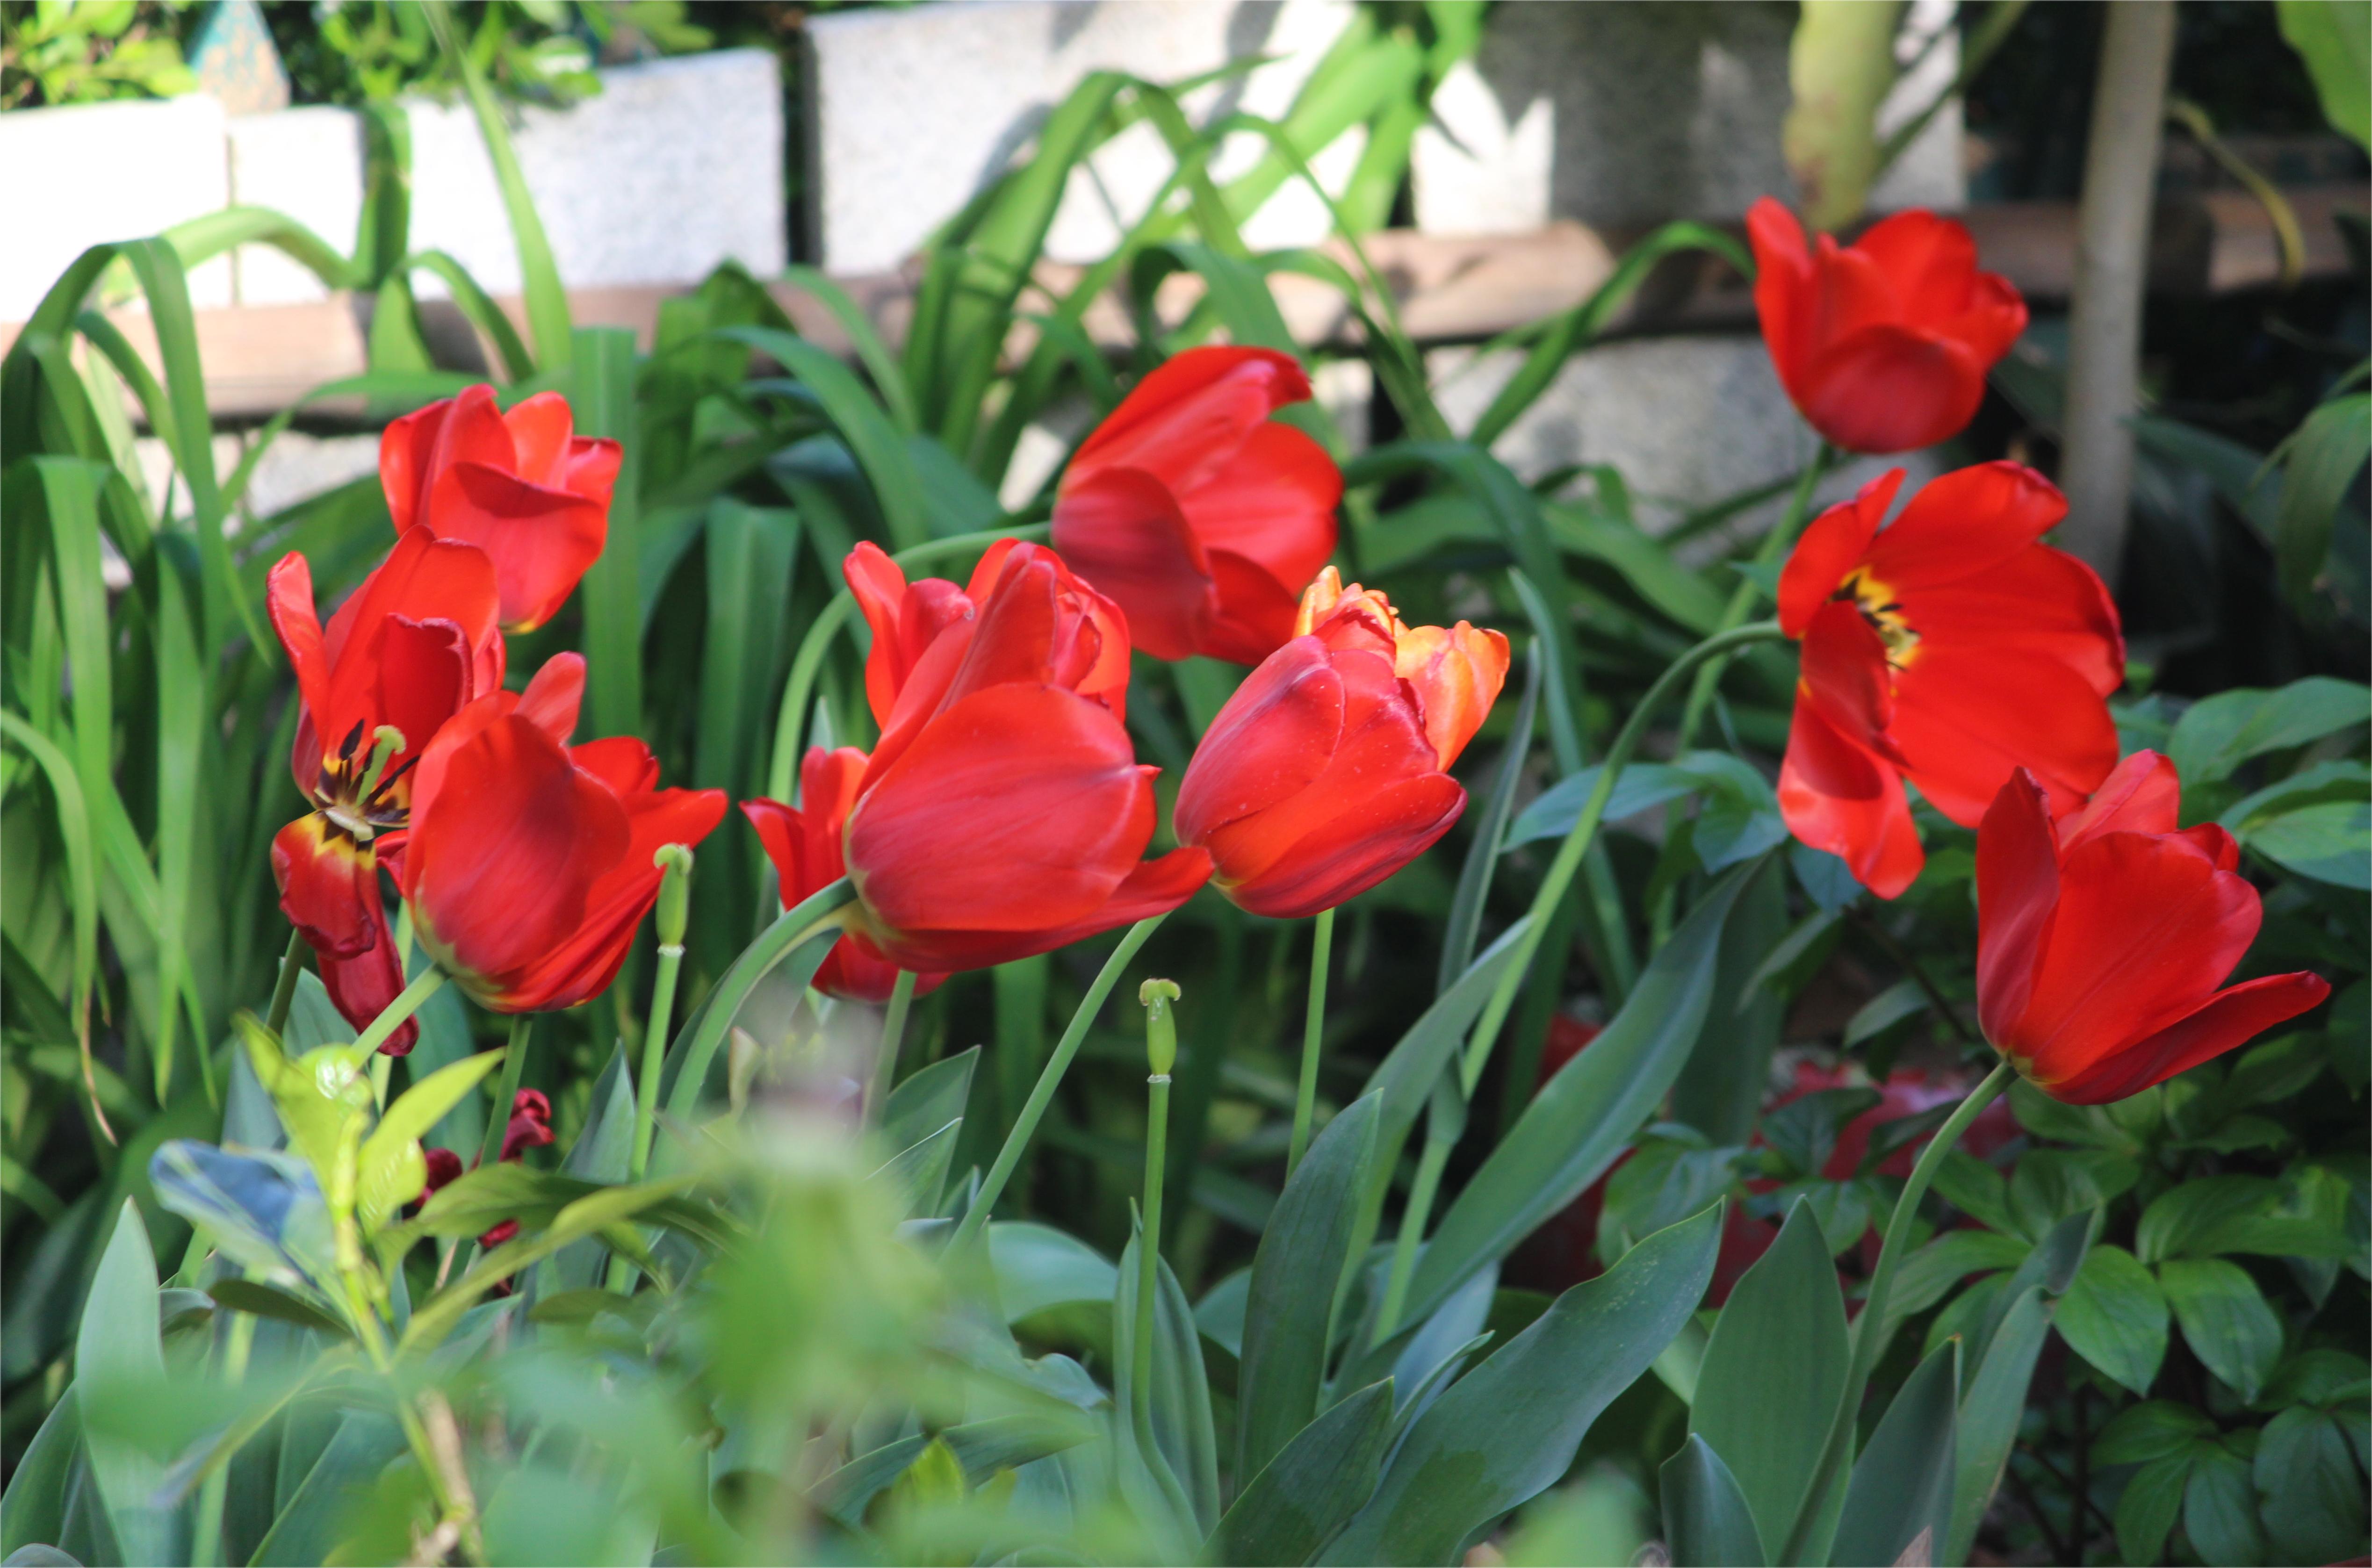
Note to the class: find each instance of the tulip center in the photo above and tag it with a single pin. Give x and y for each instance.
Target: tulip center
(1883, 612)
(356, 791)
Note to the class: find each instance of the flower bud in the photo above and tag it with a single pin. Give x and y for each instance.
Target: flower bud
(1160, 1025)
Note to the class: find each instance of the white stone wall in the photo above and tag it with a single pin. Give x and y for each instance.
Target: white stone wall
(71, 179)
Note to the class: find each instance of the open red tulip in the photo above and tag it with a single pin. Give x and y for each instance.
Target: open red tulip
(411, 647)
(520, 485)
(1883, 344)
(1003, 813)
(1326, 771)
(2103, 933)
(1948, 648)
(529, 863)
(1196, 512)
(803, 841)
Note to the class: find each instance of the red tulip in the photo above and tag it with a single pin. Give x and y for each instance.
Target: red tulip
(1946, 649)
(529, 1127)
(803, 841)
(1195, 511)
(2103, 932)
(1003, 813)
(1883, 344)
(529, 863)
(521, 486)
(411, 647)
(1326, 771)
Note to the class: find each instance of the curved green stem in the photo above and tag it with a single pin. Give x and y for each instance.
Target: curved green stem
(790, 721)
(1033, 1110)
(490, 1147)
(283, 990)
(1775, 545)
(1413, 1220)
(654, 1036)
(1576, 841)
(812, 914)
(1871, 1330)
(1313, 1029)
(893, 1034)
(391, 1017)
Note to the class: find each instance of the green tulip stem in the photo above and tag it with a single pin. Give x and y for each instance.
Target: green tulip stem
(817, 911)
(893, 1036)
(1429, 1166)
(391, 1017)
(1313, 1029)
(1576, 841)
(1774, 546)
(490, 1148)
(283, 991)
(1870, 1329)
(1034, 1108)
(1162, 1054)
(673, 910)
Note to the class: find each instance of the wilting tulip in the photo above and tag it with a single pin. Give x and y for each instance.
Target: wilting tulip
(1003, 813)
(411, 647)
(803, 841)
(1326, 771)
(1948, 648)
(529, 863)
(2102, 935)
(1883, 344)
(520, 485)
(529, 1127)
(1196, 512)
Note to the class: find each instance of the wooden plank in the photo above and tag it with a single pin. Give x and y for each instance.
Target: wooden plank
(260, 359)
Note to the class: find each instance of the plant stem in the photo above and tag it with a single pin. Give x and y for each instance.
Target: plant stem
(1909, 963)
(819, 911)
(1576, 841)
(1871, 1330)
(1034, 1108)
(1413, 1220)
(1774, 546)
(391, 1017)
(1148, 1250)
(893, 1034)
(655, 1039)
(1313, 1029)
(490, 1148)
(283, 990)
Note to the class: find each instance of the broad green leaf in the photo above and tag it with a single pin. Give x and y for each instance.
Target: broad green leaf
(1930, 1274)
(2335, 42)
(1990, 1409)
(913, 1177)
(2225, 1318)
(1284, 1514)
(2309, 1489)
(1182, 1427)
(117, 1348)
(1579, 1124)
(390, 1170)
(2209, 1217)
(263, 1209)
(2152, 1501)
(33, 1509)
(1773, 1372)
(2156, 1430)
(2114, 1316)
(929, 1100)
(310, 1528)
(599, 365)
(1883, 1011)
(2217, 734)
(1405, 1077)
(2219, 1508)
(1902, 1483)
(1296, 1273)
(2329, 450)
(1720, 1090)
(1038, 1267)
(2330, 841)
(263, 1301)
(1508, 1430)
(1706, 1521)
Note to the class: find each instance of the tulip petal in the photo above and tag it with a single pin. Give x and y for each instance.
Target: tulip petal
(1889, 389)
(1188, 417)
(1456, 673)
(2227, 1019)
(2018, 890)
(539, 428)
(1783, 278)
(2141, 795)
(1836, 796)
(1018, 808)
(329, 885)
(1123, 530)
(1273, 503)
(541, 540)
(1831, 546)
(288, 597)
(1351, 848)
(1255, 611)
(2039, 600)
(554, 696)
(499, 863)
(423, 578)
(1964, 716)
(424, 679)
(1845, 676)
(1932, 261)
(1992, 321)
(1961, 523)
(1269, 739)
(2147, 929)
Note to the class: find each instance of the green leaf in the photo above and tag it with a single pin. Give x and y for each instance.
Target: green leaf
(1182, 1426)
(1466, 908)
(913, 1177)
(1930, 1274)
(2217, 734)
(2310, 1491)
(599, 365)
(1405, 1077)
(1902, 1485)
(1038, 1267)
(1508, 1430)
(2325, 455)
(2330, 842)
(930, 1099)
(33, 1510)
(1296, 1274)
(1883, 1011)
(2144, 1432)
(1990, 1412)
(1773, 1372)
(2152, 1501)
(263, 1301)
(2225, 1319)
(1319, 1479)
(390, 1170)
(313, 1524)
(2219, 1508)
(2335, 42)
(2114, 1316)
(117, 1350)
(263, 1209)
(2209, 1217)
(1706, 1521)
(1579, 1124)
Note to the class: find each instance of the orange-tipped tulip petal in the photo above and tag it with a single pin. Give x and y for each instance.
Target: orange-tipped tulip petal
(2102, 937)
(1198, 514)
(1947, 648)
(1883, 345)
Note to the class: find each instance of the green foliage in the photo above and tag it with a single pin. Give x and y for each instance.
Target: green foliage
(54, 52)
